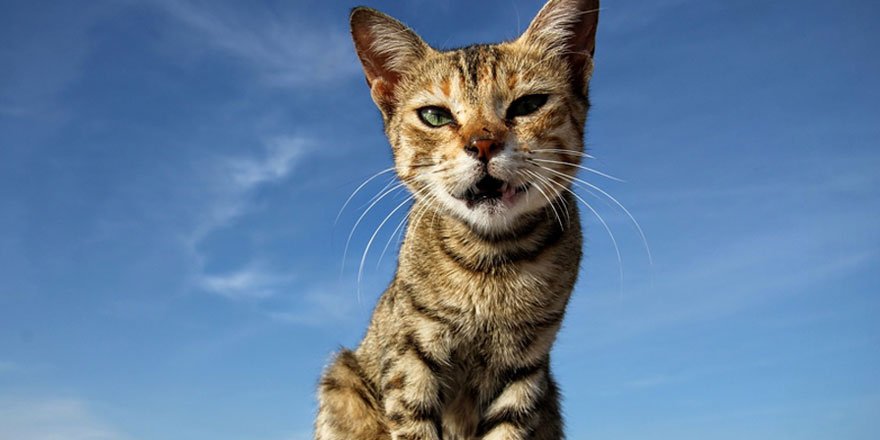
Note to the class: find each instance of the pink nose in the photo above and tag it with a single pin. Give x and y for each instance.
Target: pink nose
(483, 149)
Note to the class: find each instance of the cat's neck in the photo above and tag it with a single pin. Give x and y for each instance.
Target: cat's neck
(431, 230)
(456, 266)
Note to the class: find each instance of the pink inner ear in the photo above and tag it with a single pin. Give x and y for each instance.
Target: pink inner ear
(566, 23)
(361, 33)
(381, 43)
(570, 27)
(585, 39)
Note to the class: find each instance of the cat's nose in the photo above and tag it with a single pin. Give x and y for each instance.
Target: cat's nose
(483, 148)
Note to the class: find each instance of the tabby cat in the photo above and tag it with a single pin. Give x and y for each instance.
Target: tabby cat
(487, 138)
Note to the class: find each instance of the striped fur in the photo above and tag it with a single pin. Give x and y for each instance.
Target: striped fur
(459, 343)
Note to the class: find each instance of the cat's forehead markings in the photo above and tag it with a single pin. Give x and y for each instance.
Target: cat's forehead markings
(512, 79)
(445, 86)
(479, 69)
(468, 61)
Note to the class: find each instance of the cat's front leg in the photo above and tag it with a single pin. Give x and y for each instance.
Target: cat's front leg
(411, 387)
(525, 407)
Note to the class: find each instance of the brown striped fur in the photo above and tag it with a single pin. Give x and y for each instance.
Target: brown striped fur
(459, 343)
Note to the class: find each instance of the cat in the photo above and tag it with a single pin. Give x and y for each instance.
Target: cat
(488, 139)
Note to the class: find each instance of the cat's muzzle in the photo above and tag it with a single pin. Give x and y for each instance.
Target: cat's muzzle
(492, 191)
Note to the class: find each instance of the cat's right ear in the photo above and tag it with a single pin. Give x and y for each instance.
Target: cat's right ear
(386, 48)
(568, 29)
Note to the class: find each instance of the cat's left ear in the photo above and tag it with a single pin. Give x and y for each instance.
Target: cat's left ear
(386, 48)
(567, 28)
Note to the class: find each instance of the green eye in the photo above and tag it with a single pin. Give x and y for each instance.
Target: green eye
(435, 116)
(526, 105)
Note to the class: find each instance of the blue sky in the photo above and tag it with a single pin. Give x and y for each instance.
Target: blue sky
(170, 172)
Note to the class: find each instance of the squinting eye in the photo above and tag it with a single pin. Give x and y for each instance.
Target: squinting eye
(525, 105)
(435, 116)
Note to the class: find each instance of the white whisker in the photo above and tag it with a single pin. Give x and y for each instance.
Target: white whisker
(399, 231)
(391, 181)
(370, 243)
(358, 222)
(563, 151)
(620, 205)
(391, 238)
(562, 201)
(604, 225)
(581, 167)
(549, 201)
(360, 187)
(376, 232)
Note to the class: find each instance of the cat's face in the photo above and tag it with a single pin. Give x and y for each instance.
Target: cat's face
(489, 132)
(472, 130)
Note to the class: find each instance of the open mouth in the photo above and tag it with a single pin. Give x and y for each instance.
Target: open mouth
(490, 190)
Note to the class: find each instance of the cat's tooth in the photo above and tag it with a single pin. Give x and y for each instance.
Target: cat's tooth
(507, 192)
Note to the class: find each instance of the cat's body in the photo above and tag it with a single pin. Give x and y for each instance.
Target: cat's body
(487, 138)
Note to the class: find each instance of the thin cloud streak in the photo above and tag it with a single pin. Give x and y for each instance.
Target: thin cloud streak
(285, 52)
(317, 310)
(233, 180)
(250, 283)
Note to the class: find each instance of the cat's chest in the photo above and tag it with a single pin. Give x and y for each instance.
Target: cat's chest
(461, 410)
(491, 308)
(468, 383)
(485, 320)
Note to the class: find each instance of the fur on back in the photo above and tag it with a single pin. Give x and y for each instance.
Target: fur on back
(487, 138)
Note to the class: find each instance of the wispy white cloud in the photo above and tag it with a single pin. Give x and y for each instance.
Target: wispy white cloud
(251, 283)
(324, 304)
(232, 181)
(280, 157)
(286, 51)
(53, 419)
(317, 309)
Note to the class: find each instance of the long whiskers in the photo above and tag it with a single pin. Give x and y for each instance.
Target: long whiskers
(604, 225)
(360, 187)
(632, 218)
(561, 200)
(398, 230)
(391, 237)
(391, 182)
(563, 151)
(376, 232)
(389, 188)
(358, 222)
(538, 186)
(426, 207)
(588, 169)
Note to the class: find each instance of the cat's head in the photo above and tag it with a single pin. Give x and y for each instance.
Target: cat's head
(486, 133)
